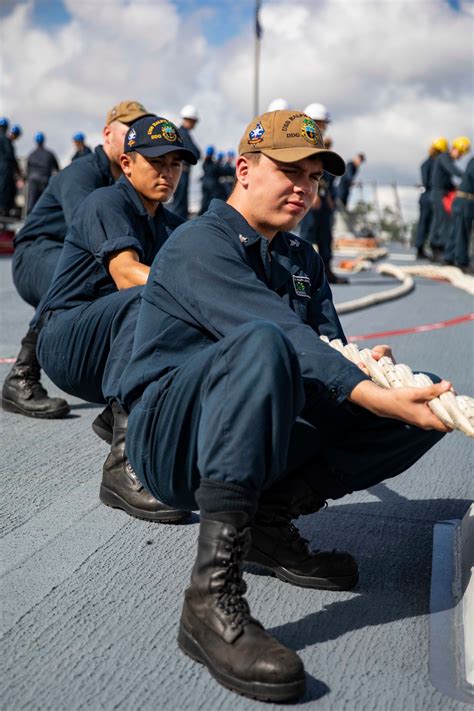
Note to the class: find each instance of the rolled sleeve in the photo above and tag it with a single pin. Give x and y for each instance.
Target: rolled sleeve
(109, 229)
(118, 244)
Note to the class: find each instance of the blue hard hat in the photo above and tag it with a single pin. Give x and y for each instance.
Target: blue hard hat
(16, 130)
(210, 150)
(220, 155)
(4, 122)
(79, 136)
(231, 154)
(39, 137)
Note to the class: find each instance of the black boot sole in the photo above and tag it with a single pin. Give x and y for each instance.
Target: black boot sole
(58, 414)
(110, 498)
(287, 691)
(102, 430)
(343, 582)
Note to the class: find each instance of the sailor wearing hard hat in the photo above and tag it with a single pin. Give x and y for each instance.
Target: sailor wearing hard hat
(457, 250)
(80, 147)
(443, 172)
(440, 145)
(316, 226)
(180, 204)
(319, 114)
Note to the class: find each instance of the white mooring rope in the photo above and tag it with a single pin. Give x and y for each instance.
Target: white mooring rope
(456, 411)
(407, 285)
(405, 275)
(431, 271)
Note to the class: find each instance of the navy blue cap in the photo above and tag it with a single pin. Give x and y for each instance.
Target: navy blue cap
(154, 136)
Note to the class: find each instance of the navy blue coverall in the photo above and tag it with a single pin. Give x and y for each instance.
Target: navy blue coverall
(41, 165)
(211, 187)
(83, 314)
(316, 226)
(345, 183)
(229, 381)
(457, 248)
(8, 166)
(443, 171)
(180, 203)
(426, 206)
(81, 154)
(39, 243)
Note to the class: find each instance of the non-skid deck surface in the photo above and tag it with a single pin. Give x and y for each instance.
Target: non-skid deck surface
(91, 597)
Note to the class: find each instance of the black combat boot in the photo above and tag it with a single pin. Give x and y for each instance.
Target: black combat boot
(436, 255)
(279, 548)
(103, 425)
(216, 627)
(121, 488)
(22, 391)
(421, 254)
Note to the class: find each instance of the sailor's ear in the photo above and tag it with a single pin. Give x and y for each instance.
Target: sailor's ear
(126, 162)
(242, 169)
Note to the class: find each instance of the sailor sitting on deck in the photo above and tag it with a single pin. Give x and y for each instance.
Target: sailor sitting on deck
(38, 246)
(87, 319)
(238, 408)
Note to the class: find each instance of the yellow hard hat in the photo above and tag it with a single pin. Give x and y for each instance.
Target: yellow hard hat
(440, 144)
(463, 144)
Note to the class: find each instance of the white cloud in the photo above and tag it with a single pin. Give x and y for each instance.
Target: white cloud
(394, 73)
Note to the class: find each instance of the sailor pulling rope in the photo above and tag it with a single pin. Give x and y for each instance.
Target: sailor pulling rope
(455, 411)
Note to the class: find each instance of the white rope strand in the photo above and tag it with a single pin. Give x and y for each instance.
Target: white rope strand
(407, 285)
(455, 411)
(405, 275)
(431, 271)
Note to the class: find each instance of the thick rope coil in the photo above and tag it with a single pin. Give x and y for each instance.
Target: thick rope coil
(404, 274)
(455, 411)
(407, 285)
(431, 271)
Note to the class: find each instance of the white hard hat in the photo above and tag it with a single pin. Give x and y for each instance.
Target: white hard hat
(190, 112)
(278, 105)
(318, 112)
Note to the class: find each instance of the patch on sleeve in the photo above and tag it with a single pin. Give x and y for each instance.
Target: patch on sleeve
(302, 286)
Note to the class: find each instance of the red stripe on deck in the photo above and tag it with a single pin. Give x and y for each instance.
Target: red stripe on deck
(380, 334)
(415, 329)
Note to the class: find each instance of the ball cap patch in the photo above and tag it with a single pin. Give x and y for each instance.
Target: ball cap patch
(289, 136)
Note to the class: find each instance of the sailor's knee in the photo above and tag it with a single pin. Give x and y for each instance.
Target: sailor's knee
(267, 340)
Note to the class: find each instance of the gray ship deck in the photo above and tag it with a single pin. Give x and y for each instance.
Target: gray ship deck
(91, 597)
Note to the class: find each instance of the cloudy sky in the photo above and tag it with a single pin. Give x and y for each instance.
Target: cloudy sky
(394, 74)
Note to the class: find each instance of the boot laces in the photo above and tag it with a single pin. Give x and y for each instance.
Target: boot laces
(295, 538)
(297, 541)
(288, 531)
(231, 593)
(131, 473)
(30, 375)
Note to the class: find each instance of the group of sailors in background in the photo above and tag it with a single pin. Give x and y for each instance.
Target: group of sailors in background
(446, 209)
(217, 179)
